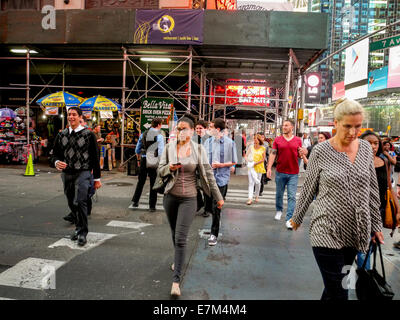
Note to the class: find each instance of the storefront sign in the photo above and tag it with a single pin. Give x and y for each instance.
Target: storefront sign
(106, 114)
(338, 91)
(377, 79)
(394, 68)
(156, 108)
(51, 111)
(169, 27)
(313, 87)
(243, 95)
(385, 43)
(87, 114)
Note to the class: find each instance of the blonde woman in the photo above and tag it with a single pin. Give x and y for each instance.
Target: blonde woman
(346, 213)
(255, 158)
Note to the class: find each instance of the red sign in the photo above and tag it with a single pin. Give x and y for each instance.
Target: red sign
(243, 95)
(338, 91)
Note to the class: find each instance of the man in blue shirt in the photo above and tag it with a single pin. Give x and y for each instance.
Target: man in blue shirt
(221, 151)
(149, 150)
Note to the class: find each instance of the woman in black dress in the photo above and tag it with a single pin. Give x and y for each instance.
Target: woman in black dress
(381, 168)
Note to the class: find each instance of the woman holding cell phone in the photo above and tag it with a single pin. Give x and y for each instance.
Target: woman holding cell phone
(185, 162)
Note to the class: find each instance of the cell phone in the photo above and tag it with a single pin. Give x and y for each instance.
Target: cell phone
(177, 164)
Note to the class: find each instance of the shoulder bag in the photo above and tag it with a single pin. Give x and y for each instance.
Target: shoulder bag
(370, 284)
(161, 182)
(389, 219)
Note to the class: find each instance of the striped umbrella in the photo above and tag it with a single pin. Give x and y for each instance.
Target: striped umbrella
(99, 103)
(60, 99)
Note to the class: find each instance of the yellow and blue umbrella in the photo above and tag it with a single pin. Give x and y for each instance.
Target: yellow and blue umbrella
(60, 99)
(99, 103)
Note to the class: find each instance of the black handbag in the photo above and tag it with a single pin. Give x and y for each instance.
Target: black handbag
(370, 284)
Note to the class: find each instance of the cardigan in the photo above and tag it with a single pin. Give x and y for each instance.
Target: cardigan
(207, 180)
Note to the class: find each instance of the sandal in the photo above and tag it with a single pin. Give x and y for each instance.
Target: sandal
(249, 202)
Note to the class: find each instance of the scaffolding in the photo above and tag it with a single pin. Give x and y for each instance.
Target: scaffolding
(205, 110)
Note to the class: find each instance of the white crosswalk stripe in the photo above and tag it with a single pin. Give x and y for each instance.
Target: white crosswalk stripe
(128, 224)
(235, 198)
(31, 273)
(93, 240)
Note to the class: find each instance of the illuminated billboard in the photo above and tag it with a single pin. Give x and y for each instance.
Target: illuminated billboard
(394, 68)
(243, 95)
(313, 87)
(377, 79)
(357, 62)
(338, 91)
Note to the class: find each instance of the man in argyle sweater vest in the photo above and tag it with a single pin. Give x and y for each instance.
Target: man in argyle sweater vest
(75, 153)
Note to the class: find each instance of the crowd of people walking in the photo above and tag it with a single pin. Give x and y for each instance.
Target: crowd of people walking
(348, 177)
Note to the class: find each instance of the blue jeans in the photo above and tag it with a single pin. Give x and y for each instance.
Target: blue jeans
(361, 258)
(282, 180)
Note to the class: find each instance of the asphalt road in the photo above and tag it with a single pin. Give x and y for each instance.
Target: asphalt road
(129, 252)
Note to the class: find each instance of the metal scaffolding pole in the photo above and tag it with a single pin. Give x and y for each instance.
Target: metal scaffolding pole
(123, 106)
(27, 97)
(190, 80)
(201, 96)
(213, 107)
(225, 106)
(287, 89)
(302, 100)
(147, 80)
(63, 87)
(204, 95)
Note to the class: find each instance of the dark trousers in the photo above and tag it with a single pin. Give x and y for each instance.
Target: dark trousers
(200, 200)
(180, 213)
(143, 173)
(208, 203)
(331, 263)
(76, 189)
(216, 213)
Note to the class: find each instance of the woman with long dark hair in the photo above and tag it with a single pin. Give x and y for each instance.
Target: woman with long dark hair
(187, 165)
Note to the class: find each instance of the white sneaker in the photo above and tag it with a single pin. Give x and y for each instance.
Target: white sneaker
(289, 225)
(278, 215)
(212, 240)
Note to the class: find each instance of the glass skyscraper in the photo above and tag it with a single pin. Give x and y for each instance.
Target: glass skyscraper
(348, 21)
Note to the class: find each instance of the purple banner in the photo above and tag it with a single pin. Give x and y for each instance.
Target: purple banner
(169, 27)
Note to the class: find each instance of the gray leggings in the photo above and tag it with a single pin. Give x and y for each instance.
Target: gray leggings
(180, 213)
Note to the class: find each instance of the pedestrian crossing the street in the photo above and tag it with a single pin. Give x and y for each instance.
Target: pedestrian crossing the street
(235, 198)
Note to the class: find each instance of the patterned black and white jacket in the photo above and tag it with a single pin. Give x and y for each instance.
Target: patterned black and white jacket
(79, 150)
(346, 210)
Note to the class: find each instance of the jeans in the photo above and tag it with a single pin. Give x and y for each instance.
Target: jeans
(143, 172)
(282, 180)
(216, 213)
(180, 213)
(331, 263)
(361, 258)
